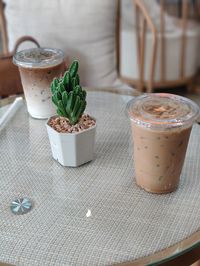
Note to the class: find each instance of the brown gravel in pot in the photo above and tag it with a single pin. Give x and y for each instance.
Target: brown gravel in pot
(62, 124)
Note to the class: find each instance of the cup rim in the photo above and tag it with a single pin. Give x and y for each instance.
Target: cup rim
(23, 58)
(159, 124)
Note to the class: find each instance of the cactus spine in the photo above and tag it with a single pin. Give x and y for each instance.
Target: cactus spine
(68, 95)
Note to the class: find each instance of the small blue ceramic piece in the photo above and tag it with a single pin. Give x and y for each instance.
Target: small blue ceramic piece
(21, 206)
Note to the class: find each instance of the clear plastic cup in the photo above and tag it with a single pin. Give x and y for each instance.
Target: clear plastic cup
(161, 124)
(38, 67)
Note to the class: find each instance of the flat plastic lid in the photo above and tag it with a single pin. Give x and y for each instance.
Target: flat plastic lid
(38, 57)
(162, 110)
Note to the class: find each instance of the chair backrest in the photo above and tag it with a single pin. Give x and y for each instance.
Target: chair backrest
(164, 44)
(158, 24)
(85, 30)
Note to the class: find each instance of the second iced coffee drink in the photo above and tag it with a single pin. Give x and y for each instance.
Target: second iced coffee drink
(38, 67)
(161, 126)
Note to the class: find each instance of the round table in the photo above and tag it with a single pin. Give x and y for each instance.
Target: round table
(94, 214)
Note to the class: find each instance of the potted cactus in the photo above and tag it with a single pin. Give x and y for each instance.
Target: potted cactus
(71, 132)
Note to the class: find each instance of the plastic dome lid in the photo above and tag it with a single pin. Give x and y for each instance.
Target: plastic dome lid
(38, 57)
(162, 110)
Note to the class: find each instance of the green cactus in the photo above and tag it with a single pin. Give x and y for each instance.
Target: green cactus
(68, 95)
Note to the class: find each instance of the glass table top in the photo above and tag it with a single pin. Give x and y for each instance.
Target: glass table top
(94, 214)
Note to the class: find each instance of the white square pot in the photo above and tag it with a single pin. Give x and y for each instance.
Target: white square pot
(72, 149)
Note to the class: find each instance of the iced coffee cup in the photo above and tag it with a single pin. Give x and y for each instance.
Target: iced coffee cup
(38, 67)
(161, 124)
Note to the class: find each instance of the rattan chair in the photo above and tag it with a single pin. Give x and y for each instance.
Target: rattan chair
(153, 58)
(8, 38)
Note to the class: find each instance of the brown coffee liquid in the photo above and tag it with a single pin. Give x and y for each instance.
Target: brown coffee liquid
(159, 157)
